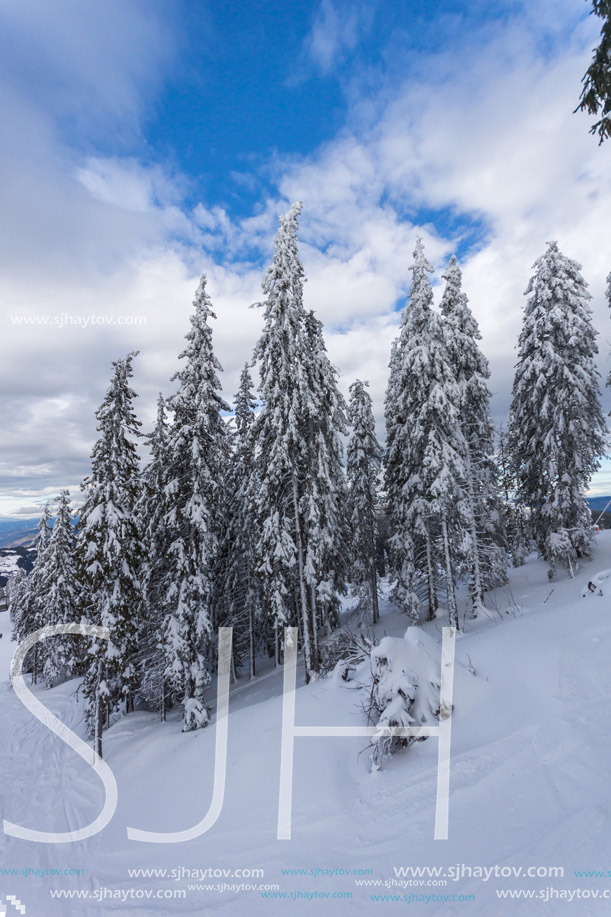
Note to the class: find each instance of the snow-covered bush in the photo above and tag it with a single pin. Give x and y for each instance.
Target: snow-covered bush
(345, 653)
(404, 688)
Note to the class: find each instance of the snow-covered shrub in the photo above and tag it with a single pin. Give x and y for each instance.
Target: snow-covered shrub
(560, 552)
(404, 688)
(344, 653)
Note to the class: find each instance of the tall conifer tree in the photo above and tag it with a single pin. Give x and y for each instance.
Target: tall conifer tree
(556, 428)
(363, 468)
(239, 599)
(425, 457)
(197, 456)
(60, 599)
(299, 504)
(152, 510)
(109, 553)
(484, 550)
(27, 602)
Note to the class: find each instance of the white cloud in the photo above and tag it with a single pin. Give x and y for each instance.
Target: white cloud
(98, 62)
(490, 134)
(337, 28)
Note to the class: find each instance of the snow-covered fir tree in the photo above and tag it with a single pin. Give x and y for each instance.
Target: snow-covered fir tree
(300, 544)
(402, 689)
(425, 454)
(238, 593)
(152, 509)
(280, 454)
(325, 503)
(197, 450)
(519, 537)
(556, 427)
(15, 597)
(27, 601)
(484, 546)
(109, 554)
(363, 465)
(60, 599)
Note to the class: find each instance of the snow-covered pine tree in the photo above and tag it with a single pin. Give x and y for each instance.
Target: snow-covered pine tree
(363, 467)
(238, 594)
(325, 498)
(15, 597)
(109, 554)
(152, 510)
(27, 602)
(519, 537)
(280, 454)
(197, 450)
(484, 548)
(556, 427)
(425, 456)
(299, 504)
(60, 599)
(403, 688)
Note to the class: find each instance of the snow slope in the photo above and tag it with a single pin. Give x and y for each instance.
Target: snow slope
(530, 787)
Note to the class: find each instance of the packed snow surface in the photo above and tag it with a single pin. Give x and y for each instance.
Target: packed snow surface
(530, 787)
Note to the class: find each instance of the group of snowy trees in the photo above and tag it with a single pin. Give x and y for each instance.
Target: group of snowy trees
(256, 522)
(441, 475)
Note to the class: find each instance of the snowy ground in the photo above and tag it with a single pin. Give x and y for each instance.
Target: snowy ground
(530, 782)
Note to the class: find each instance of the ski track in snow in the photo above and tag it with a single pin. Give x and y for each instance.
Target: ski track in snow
(531, 758)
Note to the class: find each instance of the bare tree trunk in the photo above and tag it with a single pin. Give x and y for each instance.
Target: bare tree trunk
(477, 590)
(374, 572)
(451, 593)
(315, 647)
(251, 643)
(276, 647)
(307, 640)
(430, 579)
(99, 714)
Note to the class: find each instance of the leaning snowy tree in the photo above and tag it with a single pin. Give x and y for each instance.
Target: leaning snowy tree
(556, 427)
(363, 467)
(484, 547)
(197, 457)
(61, 596)
(596, 93)
(109, 554)
(425, 454)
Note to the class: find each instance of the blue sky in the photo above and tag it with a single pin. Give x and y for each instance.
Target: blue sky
(145, 142)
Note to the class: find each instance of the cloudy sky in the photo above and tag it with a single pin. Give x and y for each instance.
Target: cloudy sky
(144, 142)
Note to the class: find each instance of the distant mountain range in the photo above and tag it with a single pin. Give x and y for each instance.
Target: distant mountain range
(17, 532)
(21, 533)
(598, 503)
